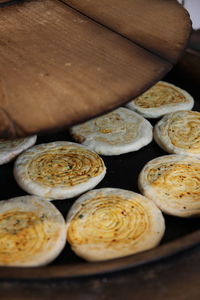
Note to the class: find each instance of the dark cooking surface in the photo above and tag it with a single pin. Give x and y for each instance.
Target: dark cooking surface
(122, 172)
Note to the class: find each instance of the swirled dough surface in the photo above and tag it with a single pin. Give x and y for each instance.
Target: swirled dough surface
(173, 183)
(179, 132)
(108, 223)
(9, 149)
(117, 132)
(32, 232)
(58, 170)
(161, 99)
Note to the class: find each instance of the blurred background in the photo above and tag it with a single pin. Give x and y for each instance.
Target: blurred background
(193, 7)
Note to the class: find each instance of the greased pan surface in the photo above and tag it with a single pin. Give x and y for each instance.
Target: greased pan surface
(122, 172)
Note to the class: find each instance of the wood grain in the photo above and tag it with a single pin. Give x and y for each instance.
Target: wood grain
(161, 26)
(59, 67)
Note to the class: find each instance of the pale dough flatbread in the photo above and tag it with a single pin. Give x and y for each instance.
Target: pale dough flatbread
(32, 232)
(109, 223)
(161, 99)
(58, 170)
(117, 132)
(179, 133)
(173, 183)
(9, 149)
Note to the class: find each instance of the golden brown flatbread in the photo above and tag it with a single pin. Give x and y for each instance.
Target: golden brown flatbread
(173, 183)
(109, 223)
(117, 132)
(32, 232)
(58, 170)
(161, 99)
(9, 149)
(179, 133)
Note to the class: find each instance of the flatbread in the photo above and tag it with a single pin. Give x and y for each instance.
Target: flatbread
(32, 232)
(117, 132)
(161, 99)
(58, 170)
(109, 223)
(173, 183)
(9, 149)
(179, 132)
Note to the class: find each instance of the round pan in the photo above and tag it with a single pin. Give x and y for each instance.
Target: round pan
(181, 234)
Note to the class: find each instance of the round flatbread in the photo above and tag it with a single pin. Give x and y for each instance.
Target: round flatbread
(117, 132)
(161, 99)
(58, 170)
(179, 132)
(32, 232)
(173, 183)
(9, 149)
(109, 223)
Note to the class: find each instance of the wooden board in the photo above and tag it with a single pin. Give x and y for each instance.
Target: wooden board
(59, 67)
(160, 26)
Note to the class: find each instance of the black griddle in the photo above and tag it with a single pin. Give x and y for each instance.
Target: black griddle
(122, 172)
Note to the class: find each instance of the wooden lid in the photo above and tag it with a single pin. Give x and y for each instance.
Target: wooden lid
(60, 66)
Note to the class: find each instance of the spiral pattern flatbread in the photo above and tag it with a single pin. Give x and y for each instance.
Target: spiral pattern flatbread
(173, 183)
(58, 170)
(9, 149)
(161, 99)
(117, 132)
(179, 133)
(32, 232)
(109, 223)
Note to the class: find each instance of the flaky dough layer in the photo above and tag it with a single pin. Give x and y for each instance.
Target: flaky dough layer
(117, 132)
(109, 223)
(179, 133)
(32, 232)
(9, 149)
(58, 170)
(173, 183)
(161, 99)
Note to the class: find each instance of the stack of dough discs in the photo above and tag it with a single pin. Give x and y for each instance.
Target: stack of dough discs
(109, 223)
(161, 99)
(58, 170)
(32, 232)
(9, 149)
(117, 132)
(179, 132)
(173, 183)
